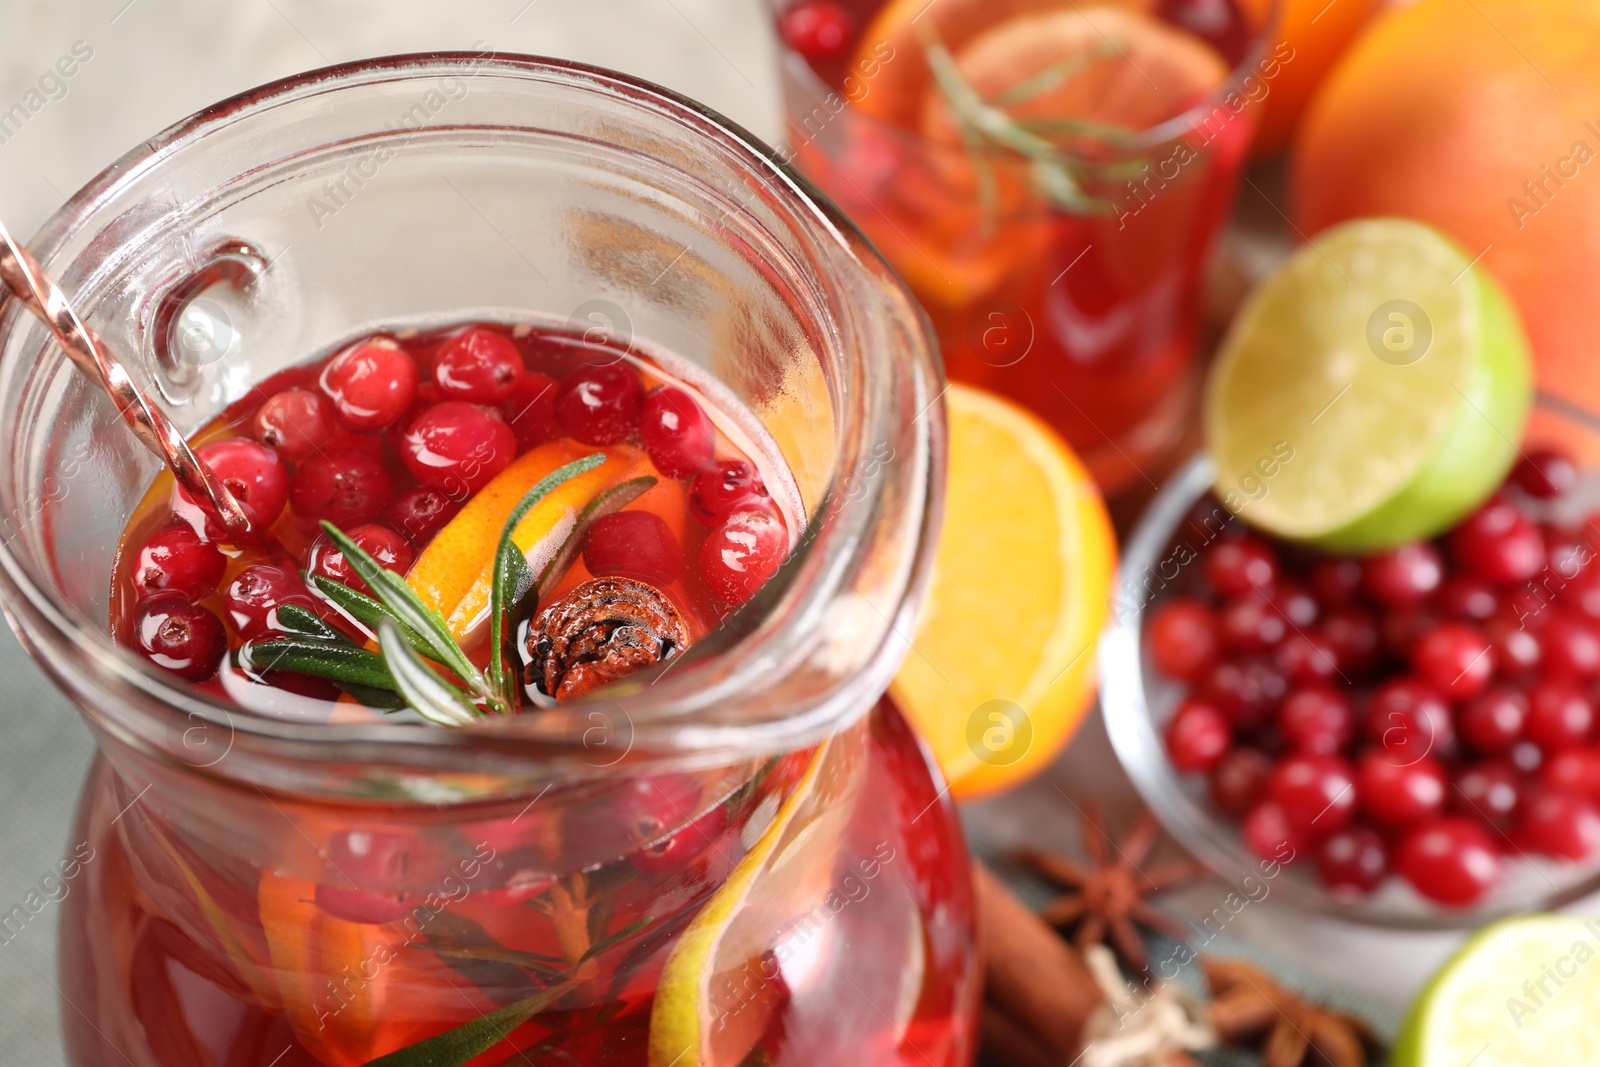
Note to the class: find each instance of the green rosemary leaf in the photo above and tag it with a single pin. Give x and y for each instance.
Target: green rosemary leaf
(391, 590)
(364, 609)
(512, 578)
(544, 966)
(430, 695)
(342, 663)
(470, 1040)
(621, 935)
(297, 620)
(614, 499)
(376, 699)
(1056, 75)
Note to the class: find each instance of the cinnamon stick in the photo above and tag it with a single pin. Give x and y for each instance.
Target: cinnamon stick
(1038, 992)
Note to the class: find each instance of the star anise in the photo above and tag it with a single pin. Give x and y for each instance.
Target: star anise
(1108, 900)
(601, 631)
(1249, 1007)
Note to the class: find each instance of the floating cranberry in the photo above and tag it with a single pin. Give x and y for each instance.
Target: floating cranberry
(1246, 691)
(365, 877)
(1498, 542)
(477, 365)
(1560, 716)
(1526, 756)
(1353, 860)
(1252, 623)
(678, 849)
(725, 487)
(343, 486)
(658, 810)
(180, 637)
(633, 544)
(741, 554)
(1570, 646)
(421, 512)
(457, 447)
(253, 598)
(1403, 627)
(1239, 780)
(1560, 825)
(1353, 635)
(1400, 794)
(1467, 597)
(1455, 658)
(295, 423)
(1197, 736)
(1316, 719)
(820, 30)
(1408, 719)
(177, 560)
(1545, 474)
(530, 410)
(1316, 792)
(1450, 860)
(254, 475)
(1269, 833)
(1567, 554)
(1241, 565)
(371, 384)
(600, 405)
(1517, 650)
(391, 551)
(1403, 577)
(676, 432)
(1307, 658)
(1494, 721)
(1489, 791)
(1573, 770)
(1336, 580)
(1296, 604)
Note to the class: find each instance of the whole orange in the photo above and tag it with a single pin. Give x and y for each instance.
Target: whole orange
(1481, 117)
(1318, 31)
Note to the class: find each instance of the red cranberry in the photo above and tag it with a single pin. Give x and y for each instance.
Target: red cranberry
(1197, 736)
(820, 30)
(1296, 604)
(371, 384)
(1567, 554)
(1402, 628)
(342, 486)
(530, 410)
(1455, 658)
(1183, 637)
(176, 560)
(1467, 597)
(1353, 635)
(1517, 650)
(1545, 473)
(1316, 719)
(1399, 795)
(1526, 757)
(677, 850)
(676, 432)
(1450, 860)
(366, 871)
(741, 554)
(1239, 780)
(1354, 860)
(1316, 792)
(1560, 716)
(1409, 719)
(1500, 543)
(1403, 577)
(658, 809)
(1493, 722)
(477, 365)
(1307, 658)
(392, 552)
(295, 422)
(1241, 565)
(1575, 771)
(725, 487)
(1252, 624)
(1570, 646)
(1245, 691)
(180, 637)
(1336, 580)
(254, 475)
(600, 405)
(633, 544)
(1489, 791)
(1269, 833)
(457, 447)
(421, 512)
(1560, 825)
(253, 598)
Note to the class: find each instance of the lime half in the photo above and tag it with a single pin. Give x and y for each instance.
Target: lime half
(1522, 993)
(1370, 393)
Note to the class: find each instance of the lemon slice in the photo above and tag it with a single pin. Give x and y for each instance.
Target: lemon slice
(1522, 993)
(715, 1001)
(1370, 393)
(1002, 665)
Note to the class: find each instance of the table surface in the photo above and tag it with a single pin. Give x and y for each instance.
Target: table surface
(154, 62)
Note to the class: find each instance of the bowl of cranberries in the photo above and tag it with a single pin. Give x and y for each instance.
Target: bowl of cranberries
(1413, 734)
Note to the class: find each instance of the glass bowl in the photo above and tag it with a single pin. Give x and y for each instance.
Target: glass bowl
(1137, 701)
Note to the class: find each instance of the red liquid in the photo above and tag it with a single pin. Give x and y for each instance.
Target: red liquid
(1089, 319)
